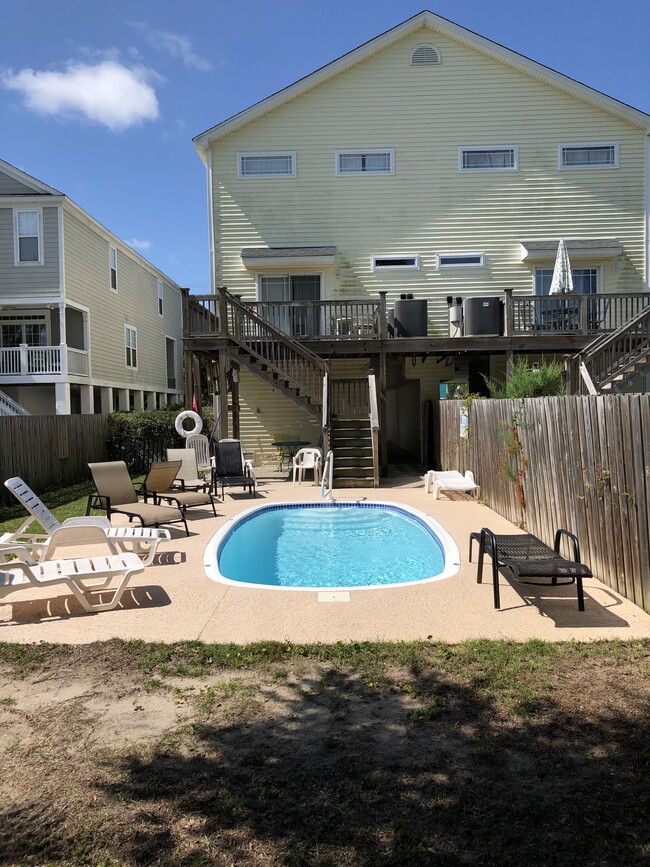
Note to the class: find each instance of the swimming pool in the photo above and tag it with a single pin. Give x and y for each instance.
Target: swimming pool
(332, 545)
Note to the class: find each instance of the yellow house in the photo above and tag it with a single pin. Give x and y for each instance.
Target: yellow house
(434, 164)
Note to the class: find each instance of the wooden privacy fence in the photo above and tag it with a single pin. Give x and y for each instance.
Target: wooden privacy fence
(583, 464)
(50, 450)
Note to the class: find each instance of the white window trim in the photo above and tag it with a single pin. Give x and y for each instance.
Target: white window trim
(126, 346)
(478, 148)
(243, 154)
(160, 301)
(389, 151)
(17, 261)
(582, 144)
(110, 268)
(580, 266)
(479, 264)
(414, 267)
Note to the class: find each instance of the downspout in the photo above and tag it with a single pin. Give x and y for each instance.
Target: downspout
(208, 169)
(647, 213)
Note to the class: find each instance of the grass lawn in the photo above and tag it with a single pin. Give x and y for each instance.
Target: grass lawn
(485, 753)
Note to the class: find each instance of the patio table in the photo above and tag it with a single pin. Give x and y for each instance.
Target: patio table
(287, 449)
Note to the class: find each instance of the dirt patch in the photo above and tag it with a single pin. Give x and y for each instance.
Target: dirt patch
(457, 757)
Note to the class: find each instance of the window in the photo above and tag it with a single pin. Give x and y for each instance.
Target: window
(131, 346)
(27, 237)
(461, 260)
(366, 162)
(384, 263)
(588, 156)
(160, 298)
(112, 259)
(29, 329)
(488, 159)
(266, 165)
(585, 281)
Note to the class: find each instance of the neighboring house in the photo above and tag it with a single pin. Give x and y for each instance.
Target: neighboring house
(87, 325)
(430, 161)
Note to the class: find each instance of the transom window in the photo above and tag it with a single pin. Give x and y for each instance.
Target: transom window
(386, 263)
(131, 346)
(461, 260)
(267, 165)
(483, 159)
(27, 234)
(112, 261)
(588, 156)
(160, 298)
(366, 162)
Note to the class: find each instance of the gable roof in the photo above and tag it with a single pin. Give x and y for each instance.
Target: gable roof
(446, 28)
(40, 189)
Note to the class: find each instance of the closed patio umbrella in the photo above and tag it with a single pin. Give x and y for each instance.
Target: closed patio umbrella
(562, 281)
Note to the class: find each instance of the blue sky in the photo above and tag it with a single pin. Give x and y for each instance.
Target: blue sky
(101, 100)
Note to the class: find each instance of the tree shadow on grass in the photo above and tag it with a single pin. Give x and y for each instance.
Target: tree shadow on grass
(333, 769)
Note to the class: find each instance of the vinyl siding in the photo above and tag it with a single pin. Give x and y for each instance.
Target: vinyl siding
(428, 206)
(11, 187)
(135, 303)
(29, 281)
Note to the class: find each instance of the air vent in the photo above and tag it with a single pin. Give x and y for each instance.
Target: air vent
(424, 55)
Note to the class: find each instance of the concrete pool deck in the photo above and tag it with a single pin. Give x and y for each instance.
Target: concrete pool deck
(173, 600)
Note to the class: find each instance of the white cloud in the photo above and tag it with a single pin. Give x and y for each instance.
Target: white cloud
(138, 244)
(108, 93)
(174, 45)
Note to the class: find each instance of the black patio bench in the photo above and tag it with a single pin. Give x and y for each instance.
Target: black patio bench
(528, 558)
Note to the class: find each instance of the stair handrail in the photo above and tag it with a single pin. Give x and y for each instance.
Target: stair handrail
(8, 406)
(374, 425)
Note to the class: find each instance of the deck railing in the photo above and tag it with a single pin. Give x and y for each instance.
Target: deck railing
(56, 361)
(366, 318)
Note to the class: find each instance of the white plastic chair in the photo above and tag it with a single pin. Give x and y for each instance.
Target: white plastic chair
(201, 445)
(307, 459)
(450, 480)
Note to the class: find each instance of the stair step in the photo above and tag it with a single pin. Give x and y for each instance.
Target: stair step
(353, 472)
(352, 456)
(354, 483)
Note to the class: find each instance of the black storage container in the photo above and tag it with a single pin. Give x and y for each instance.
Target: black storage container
(483, 317)
(410, 317)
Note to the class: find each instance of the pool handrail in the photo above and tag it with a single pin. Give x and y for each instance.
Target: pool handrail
(326, 484)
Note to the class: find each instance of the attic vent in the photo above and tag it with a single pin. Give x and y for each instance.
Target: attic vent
(425, 54)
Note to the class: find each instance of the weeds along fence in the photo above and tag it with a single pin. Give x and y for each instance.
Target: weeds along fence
(50, 450)
(582, 463)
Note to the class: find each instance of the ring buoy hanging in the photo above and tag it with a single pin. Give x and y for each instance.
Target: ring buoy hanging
(192, 416)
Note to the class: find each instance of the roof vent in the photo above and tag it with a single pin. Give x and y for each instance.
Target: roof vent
(425, 54)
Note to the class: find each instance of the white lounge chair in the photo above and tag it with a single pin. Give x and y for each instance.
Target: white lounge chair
(80, 575)
(450, 480)
(142, 541)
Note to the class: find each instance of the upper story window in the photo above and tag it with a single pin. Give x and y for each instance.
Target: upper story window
(488, 159)
(461, 260)
(267, 165)
(598, 155)
(160, 297)
(131, 346)
(389, 263)
(28, 237)
(112, 261)
(376, 161)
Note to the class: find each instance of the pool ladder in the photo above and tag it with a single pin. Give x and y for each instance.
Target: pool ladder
(328, 472)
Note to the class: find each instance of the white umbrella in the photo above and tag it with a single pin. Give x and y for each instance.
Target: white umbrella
(562, 282)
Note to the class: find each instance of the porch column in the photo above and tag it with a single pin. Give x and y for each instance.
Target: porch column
(87, 399)
(62, 397)
(123, 399)
(138, 400)
(150, 400)
(106, 398)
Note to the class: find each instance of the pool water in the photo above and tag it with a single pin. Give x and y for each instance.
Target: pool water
(329, 545)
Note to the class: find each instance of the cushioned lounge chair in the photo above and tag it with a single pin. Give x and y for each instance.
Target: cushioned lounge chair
(80, 576)
(116, 493)
(143, 541)
(528, 559)
(158, 483)
(230, 469)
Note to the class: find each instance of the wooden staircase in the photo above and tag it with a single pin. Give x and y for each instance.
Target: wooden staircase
(612, 361)
(8, 406)
(351, 445)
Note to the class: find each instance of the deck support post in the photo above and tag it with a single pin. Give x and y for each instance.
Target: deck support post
(222, 361)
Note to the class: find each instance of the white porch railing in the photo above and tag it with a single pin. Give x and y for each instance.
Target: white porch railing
(26, 361)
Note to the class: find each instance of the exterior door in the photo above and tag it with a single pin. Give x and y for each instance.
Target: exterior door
(286, 288)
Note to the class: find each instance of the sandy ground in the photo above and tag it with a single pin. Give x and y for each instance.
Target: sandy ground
(174, 600)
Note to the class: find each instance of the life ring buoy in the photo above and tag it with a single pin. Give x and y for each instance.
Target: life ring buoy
(192, 416)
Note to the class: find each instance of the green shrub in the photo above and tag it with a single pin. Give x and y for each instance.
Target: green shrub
(153, 424)
(545, 379)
